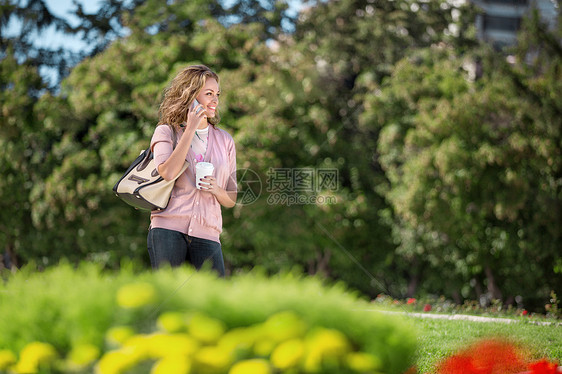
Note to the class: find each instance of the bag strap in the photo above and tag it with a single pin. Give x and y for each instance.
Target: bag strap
(174, 137)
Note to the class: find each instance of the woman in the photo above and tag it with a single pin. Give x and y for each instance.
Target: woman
(189, 228)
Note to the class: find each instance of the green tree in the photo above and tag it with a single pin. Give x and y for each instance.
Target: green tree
(374, 90)
(301, 108)
(291, 102)
(472, 171)
(106, 113)
(24, 143)
(26, 20)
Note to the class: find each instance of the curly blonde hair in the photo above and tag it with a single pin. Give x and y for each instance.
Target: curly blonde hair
(181, 92)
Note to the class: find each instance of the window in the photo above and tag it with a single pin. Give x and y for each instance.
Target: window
(498, 23)
(509, 2)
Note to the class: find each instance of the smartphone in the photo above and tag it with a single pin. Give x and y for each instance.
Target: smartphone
(195, 104)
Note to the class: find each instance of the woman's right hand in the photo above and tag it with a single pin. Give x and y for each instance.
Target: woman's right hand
(194, 116)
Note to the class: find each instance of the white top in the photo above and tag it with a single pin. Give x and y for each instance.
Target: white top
(199, 143)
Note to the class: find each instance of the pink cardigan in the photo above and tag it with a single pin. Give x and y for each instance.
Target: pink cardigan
(192, 211)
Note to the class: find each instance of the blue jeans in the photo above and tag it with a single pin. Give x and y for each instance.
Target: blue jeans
(175, 248)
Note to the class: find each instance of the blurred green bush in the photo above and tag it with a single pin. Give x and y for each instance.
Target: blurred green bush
(180, 321)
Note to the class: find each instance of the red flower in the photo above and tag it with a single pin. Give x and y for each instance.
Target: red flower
(427, 308)
(460, 363)
(411, 300)
(543, 367)
(525, 312)
(412, 370)
(485, 357)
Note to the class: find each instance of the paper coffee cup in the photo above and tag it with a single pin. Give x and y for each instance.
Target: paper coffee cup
(203, 169)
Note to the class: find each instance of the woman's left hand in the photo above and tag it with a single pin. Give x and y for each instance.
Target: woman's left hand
(209, 183)
(224, 197)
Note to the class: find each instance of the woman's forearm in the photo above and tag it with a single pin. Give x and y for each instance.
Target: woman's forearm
(170, 168)
(226, 198)
(173, 165)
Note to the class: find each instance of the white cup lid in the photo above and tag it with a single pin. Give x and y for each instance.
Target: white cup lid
(204, 165)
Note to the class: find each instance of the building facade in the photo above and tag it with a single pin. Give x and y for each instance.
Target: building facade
(501, 19)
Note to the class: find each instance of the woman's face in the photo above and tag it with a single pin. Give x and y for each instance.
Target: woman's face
(209, 97)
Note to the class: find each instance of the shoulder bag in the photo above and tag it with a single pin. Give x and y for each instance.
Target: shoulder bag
(142, 187)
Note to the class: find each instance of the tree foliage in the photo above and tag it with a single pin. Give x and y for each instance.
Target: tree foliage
(440, 176)
(473, 179)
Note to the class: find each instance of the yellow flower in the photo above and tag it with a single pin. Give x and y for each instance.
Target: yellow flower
(139, 345)
(205, 329)
(325, 347)
(362, 362)
(135, 295)
(160, 345)
(34, 355)
(239, 339)
(264, 346)
(211, 360)
(312, 362)
(254, 366)
(117, 362)
(328, 341)
(288, 354)
(117, 336)
(82, 355)
(171, 322)
(7, 358)
(284, 326)
(172, 365)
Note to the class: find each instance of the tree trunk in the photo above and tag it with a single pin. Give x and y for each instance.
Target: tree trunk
(415, 276)
(8, 260)
(321, 264)
(493, 289)
(457, 297)
(412, 286)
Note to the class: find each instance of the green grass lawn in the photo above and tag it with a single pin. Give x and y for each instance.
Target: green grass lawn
(439, 338)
